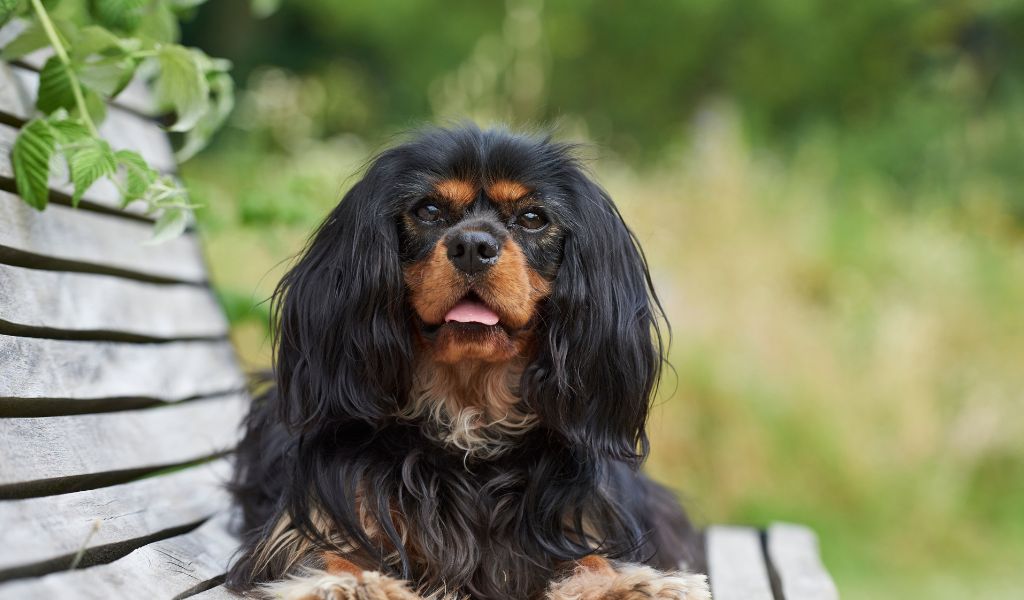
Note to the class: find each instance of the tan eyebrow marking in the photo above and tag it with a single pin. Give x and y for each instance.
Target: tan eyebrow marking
(457, 191)
(505, 190)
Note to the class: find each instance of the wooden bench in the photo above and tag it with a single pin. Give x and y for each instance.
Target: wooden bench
(120, 399)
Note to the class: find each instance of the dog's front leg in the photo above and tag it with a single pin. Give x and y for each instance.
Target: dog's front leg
(597, 578)
(340, 579)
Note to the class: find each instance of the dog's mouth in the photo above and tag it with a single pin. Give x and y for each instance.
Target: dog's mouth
(469, 314)
(471, 309)
(471, 329)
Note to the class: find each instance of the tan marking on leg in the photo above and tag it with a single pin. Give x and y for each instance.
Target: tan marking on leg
(596, 564)
(505, 190)
(629, 582)
(336, 565)
(321, 585)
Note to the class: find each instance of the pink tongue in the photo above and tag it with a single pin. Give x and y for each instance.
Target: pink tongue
(467, 311)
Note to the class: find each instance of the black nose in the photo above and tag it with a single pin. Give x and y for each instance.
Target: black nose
(473, 251)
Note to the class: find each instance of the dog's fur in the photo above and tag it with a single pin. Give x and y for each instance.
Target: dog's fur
(397, 455)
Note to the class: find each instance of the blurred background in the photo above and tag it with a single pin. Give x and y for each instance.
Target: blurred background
(830, 196)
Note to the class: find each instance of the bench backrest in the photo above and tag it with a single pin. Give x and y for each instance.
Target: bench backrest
(119, 390)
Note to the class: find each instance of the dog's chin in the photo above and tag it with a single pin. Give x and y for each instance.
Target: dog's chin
(455, 342)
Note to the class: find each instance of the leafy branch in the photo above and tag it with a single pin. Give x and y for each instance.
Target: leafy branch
(98, 47)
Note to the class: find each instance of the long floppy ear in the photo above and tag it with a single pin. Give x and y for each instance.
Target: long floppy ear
(342, 345)
(600, 359)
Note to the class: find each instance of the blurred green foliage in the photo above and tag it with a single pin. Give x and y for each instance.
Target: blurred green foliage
(829, 195)
(913, 90)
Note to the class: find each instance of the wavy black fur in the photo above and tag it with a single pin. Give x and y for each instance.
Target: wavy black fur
(495, 528)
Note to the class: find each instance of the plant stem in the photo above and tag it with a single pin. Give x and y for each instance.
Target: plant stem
(62, 55)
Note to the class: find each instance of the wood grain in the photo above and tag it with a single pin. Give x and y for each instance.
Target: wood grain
(44, 534)
(103, 195)
(736, 565)
(78, 370)
(171, 568)
(41, 452)
(135, 96)
(793, 552)
(13, 100)
(65, 239)
(39, 301)
(124, 129)
(218, 593)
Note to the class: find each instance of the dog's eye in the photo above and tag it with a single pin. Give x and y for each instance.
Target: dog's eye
(532, 219)
(428, 213)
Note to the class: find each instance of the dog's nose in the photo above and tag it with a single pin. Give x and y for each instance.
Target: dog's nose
(473, 251)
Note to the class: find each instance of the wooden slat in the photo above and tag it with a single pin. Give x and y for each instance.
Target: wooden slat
(135, 97)
(169, 568)
(43, 534)
(103, 193)
(218, 593)
(79, 370)
(124, 130)
(74, 302)
(736, 565)
(65, 239)
(793, 552)
(13, 99)
(41, 451)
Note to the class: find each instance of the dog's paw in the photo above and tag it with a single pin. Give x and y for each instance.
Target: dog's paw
(319, 585)
(630, 582)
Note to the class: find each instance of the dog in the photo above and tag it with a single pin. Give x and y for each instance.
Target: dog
(465, 355)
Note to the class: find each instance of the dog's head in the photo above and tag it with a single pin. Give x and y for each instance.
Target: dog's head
(466, 247)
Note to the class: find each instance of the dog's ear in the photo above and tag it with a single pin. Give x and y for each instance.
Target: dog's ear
(342, 345)
(600, 356)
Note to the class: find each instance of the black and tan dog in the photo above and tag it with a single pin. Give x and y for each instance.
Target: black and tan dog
(465, 355)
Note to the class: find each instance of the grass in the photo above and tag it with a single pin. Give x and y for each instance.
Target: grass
(840, 359)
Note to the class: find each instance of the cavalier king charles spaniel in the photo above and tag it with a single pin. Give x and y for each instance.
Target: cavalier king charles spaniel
(465, 355)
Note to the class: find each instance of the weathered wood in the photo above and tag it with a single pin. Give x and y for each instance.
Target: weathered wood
(171, 568)
(65, 239)
(102, 194)
(124, 129)
(135, 96)
(49, 453)
(13, 100)
(11, 30)
(793, 552)
(36, 368)
(219, 593)
(41, 302)
(43, 535)
(736, 565)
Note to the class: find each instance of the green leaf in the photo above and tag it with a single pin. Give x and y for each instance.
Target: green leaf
(108, 76)
(7, 9)
(96, 106)
(223, 89)
(119, 15)
(69, 131)
(54, 87)
(30, 40)
(94, 39)
(182, 85)
(138, 174)
(170, 225)
(30, 157)
(90, 160)
(160, 25)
